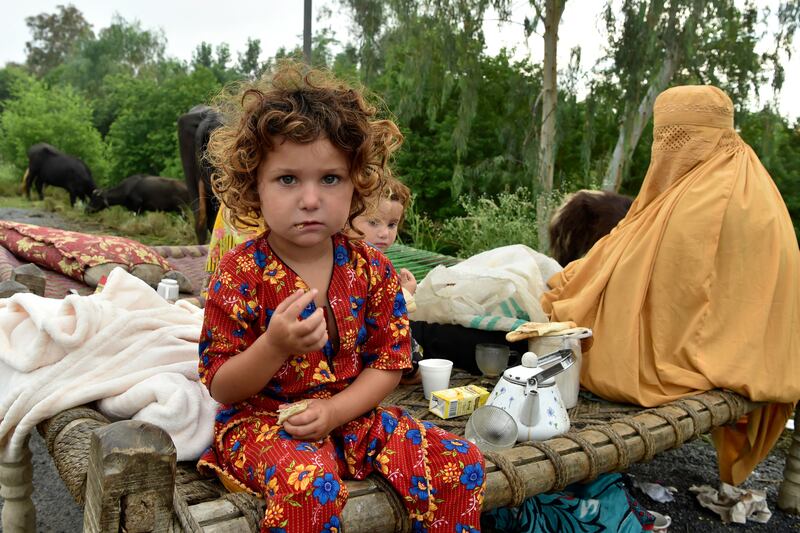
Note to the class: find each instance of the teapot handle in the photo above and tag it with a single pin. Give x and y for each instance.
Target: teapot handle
(565, 357)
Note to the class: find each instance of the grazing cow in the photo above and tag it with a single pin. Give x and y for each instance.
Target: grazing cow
(194, 131)
(49, 166)
(142, 193)
(582, 219)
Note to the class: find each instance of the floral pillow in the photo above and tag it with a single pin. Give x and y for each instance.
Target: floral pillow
(83, 257)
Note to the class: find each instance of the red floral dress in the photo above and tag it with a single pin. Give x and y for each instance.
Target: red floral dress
(439, 476)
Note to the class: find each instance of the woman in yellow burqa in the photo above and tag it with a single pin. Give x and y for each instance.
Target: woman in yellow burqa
(698, 287)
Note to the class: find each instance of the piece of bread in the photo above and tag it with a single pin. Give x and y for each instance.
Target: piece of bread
(288, 411)
(538, 329)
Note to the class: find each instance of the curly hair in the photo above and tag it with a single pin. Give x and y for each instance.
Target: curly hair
(394, 190)
(300, 105)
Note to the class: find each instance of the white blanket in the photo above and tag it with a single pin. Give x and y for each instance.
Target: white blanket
(125, 346)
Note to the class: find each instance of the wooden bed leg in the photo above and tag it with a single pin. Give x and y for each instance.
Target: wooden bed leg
(789, 495)
(130, 479)
(16, 487)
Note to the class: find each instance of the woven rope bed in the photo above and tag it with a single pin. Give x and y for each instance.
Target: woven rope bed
(126, 476)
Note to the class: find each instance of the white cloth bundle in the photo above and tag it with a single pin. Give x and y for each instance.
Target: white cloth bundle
(495, 290)
(125, 345)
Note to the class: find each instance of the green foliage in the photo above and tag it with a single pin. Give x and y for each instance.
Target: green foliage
(471, 120)
(58, 116)
(248, 64)
(204, 58)
(498, 147)
(148, 228)
(121, 48)
(12, 78)
(143, 138)
(489, 222)
(10, 179)
(54, 37)
(122, 51)
(419, 231)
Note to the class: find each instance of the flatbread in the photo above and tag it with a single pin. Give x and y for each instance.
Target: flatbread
(290, 410)
(538, 329)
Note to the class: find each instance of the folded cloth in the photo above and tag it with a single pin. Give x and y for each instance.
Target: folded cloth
(58, 354)
(734, 504)
(540, 329)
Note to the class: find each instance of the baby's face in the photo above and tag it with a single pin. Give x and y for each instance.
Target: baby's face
(380, 226)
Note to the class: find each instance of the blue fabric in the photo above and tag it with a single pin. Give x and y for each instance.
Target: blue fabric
(601, 505)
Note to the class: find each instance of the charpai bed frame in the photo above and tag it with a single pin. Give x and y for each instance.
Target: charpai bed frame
(126, 476)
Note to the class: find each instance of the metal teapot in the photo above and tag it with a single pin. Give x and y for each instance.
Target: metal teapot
(529, 394)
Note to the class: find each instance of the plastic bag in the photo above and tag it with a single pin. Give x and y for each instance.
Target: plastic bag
(494, 290)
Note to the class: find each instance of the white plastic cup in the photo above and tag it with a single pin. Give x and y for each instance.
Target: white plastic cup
(168, 289)
(435, 375)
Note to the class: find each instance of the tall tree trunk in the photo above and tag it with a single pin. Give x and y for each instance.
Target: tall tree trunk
(634, 124)
(547, 139)
(635, 120)
(307, 32)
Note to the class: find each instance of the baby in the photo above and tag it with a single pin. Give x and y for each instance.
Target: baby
(378, 225)
(380, 221)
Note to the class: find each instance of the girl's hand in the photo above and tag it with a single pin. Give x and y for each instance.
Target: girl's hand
(288, 335)
(408, 281)
(315, 423)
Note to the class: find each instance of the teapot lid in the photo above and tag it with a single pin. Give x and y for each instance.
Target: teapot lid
(530, 367)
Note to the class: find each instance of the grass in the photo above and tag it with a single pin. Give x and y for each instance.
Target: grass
(10, 183)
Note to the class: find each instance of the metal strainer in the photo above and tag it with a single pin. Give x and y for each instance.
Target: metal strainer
(491, 429)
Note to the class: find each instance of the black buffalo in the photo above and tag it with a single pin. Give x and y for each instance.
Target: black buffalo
(49, 166)
(142, 193)
(194, 131)
(582, 219)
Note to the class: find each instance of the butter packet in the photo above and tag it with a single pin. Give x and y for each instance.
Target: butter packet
(457, 401)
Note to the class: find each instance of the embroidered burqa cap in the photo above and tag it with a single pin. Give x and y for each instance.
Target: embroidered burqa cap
(698, 287)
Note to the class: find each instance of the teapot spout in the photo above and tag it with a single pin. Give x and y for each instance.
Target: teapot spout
(529, 412)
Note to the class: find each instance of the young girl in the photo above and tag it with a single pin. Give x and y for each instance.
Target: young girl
(378, 225)
(382, 219)
(301, 312)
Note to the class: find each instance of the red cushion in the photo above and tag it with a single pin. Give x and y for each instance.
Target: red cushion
(72, 253)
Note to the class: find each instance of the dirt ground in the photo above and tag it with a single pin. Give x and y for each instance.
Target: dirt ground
(695, 463)
(38, 217)
(692, 464)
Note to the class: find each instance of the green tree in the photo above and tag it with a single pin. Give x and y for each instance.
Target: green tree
(433, 49)
(548, 13)
(143, 138)
(12, 76)
(321, 51)
(203, 55)
(686, 41)
(123, 49)
(58, 116)
(496, 151)
(54, 35)
(249, 65)
(216, 60)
